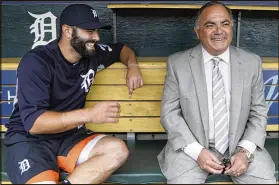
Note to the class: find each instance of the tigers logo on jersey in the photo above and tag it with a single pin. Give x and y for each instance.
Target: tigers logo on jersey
(24, 165)
(87, 80)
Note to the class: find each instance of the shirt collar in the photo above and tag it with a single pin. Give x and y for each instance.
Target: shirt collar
(224, 56)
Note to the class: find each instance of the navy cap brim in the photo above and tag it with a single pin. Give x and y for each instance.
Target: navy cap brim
(93, 26)
(107, 27)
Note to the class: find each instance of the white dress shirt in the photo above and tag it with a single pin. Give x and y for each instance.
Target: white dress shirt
(194, 149)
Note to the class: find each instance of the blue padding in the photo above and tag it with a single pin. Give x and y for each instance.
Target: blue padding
(273, 121)
(4, 121)
(8, 77)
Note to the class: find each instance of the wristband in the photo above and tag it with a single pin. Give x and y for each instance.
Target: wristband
(133, 65)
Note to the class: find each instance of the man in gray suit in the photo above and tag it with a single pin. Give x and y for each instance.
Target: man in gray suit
(213, 108)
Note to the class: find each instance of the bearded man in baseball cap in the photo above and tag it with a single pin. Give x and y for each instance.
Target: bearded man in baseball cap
(46, 131)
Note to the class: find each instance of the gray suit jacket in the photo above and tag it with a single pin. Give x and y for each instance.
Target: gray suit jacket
(184, 111)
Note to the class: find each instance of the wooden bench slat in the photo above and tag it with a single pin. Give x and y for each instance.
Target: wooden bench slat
(128, 109)
(136, 125)
(117, 65)
(141, 125)
(143, 65)
(270, 59)
(151, 76)
(136, 108)
(9, 66)
(6, 182)
(120, 92)
(10, 60)
(129, 125)
(124, 125)
(191, 6)
(108, 77)
(144, 62)
(271, 66)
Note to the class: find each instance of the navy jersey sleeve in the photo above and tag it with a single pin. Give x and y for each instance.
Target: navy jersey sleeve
(108, 54)
(33, 89)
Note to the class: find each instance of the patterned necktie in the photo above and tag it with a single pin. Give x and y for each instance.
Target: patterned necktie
(221, 125)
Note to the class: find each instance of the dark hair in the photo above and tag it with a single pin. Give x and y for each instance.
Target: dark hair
(208, 4)
(74, 31)
(73, 34)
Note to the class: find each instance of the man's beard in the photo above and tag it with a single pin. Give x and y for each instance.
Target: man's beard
(79, 45)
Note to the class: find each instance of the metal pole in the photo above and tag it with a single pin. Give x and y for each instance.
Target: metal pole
(114, 25)
(238, 29)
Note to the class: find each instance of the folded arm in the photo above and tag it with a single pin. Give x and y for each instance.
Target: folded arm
(134, 78)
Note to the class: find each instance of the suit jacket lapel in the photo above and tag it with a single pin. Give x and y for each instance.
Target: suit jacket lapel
(197, 67)
(236, 95)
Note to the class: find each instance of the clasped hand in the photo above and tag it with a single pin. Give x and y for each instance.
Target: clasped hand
(210, 163)
(239, 165)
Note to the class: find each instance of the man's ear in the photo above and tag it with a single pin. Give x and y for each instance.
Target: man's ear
(67, 31)
(197, 32)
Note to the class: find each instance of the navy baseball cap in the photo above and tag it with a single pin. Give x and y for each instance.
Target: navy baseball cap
(82, 16)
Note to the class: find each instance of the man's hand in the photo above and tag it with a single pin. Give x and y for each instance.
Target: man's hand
(104, 112)
(134, 77)
(209, 162)
(239, 165)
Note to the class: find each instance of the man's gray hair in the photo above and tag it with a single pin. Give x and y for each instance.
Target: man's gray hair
(211, 3)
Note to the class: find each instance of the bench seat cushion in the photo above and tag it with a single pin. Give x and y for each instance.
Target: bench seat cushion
(142, 165)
